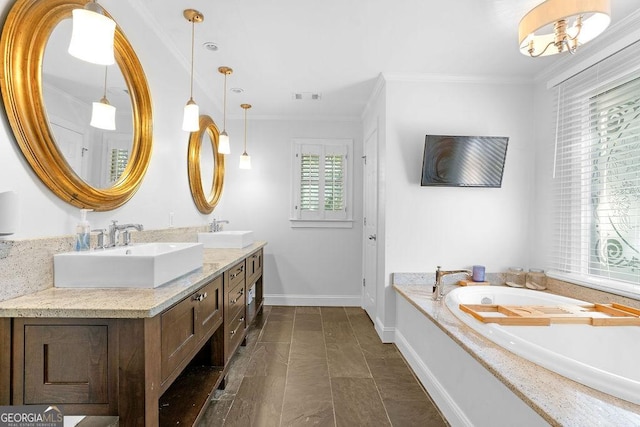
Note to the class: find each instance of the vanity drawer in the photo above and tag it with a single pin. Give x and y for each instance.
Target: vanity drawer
(235, 301)
(236, 275)
(235, 334)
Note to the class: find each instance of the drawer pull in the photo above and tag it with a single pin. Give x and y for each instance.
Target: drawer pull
(200, 297)
(233, 301)
(240, 320)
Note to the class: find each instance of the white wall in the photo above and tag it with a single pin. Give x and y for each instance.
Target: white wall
(315, 266)
(455, 227)
(303, 266)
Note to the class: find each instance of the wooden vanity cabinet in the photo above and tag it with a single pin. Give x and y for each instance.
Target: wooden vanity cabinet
(131, 367)
(186, 325)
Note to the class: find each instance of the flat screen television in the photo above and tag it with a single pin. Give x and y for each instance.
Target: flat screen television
(463, 161)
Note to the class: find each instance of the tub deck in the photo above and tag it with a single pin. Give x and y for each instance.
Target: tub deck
(559, 400)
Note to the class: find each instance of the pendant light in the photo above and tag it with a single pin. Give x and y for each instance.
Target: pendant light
(103, 114)
(191, 116)
(224, 147)
(92, 35)
(245, 159)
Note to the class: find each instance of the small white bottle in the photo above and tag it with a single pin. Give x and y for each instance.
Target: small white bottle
(83, 232)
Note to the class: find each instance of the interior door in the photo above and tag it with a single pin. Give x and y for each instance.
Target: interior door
(370, 224)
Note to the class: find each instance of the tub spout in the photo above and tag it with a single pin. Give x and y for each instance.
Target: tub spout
(438, 287)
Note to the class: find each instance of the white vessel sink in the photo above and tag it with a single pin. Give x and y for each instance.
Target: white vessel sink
(226, 239)
(145, 265)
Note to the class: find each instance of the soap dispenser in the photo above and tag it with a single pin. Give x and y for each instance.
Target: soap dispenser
(83, 232)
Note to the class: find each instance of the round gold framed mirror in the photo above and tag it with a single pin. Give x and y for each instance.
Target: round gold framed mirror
(205, 190)
(26, 32)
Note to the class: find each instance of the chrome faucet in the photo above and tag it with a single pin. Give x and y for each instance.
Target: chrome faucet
(438, 287)
(114, 233)
(216, 225)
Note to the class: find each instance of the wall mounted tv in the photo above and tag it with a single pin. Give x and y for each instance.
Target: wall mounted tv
(463, 161)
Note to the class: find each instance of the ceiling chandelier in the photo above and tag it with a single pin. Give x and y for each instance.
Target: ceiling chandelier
(558, 25)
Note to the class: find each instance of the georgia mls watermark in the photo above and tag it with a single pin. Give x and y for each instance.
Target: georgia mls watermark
(31, 416)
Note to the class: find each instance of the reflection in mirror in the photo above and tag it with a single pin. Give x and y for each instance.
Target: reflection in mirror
(205, 166)
(25, 36)
(70, 86)
(207, 163)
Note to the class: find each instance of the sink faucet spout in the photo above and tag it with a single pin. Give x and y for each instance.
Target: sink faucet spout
(438, 287)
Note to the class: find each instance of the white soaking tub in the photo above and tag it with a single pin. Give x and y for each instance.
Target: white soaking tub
(601, 357)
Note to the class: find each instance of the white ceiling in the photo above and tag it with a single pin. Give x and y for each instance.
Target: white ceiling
(339, 47)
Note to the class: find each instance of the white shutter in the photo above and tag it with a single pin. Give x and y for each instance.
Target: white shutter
(321, 187)
(597, 182)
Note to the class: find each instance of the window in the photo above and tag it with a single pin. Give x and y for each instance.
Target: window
(119, 160)
(597, 184)
(321, 183)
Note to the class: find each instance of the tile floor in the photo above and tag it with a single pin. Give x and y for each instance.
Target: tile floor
(322, 366)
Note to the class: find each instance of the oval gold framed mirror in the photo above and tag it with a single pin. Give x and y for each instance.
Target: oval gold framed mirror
(26, 32)
(206, 188)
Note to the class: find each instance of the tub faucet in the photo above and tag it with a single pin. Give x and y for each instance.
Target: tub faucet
(438, 287)
(115, 229)
(216, 225)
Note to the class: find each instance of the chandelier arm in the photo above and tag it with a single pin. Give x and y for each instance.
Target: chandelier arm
(541, 53)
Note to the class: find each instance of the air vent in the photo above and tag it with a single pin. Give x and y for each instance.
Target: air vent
(307, 96)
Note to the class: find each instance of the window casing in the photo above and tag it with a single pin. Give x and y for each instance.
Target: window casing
(597, 176)
(321, 190)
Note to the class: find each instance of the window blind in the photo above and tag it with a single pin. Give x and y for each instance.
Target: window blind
(597, 172)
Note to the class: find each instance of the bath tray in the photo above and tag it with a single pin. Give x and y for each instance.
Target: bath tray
(543, 315)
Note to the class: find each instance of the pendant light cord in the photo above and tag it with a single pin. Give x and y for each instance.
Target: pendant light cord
(104, 95)
(245, 131)
(224, 105)
(193, 29)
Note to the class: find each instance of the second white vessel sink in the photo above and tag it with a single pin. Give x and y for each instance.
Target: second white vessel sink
(145, 265)
(226, 239)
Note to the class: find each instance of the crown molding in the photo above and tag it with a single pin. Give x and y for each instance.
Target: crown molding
(457, 78)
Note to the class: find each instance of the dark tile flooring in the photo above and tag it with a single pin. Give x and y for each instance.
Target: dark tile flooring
(322, 366)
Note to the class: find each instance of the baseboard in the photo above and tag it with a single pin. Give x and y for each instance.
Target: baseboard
(315, 300)
(387, 335)
(452, 412)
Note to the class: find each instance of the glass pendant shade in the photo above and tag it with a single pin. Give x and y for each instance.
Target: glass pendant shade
(92, 37)
(223, 143)
(103, 115)
(191, 117)
(245, 161)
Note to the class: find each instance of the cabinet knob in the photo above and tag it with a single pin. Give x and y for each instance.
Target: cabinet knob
(200, 297)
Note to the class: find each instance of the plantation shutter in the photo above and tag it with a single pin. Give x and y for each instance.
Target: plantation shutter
(320, 181)
(119, 160)
(597, 172)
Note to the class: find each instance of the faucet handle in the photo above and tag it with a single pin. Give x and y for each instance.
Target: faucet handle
(100, 243)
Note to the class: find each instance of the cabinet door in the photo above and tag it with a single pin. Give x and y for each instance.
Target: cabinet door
(69, 362)
(208, 308)
(178, 334)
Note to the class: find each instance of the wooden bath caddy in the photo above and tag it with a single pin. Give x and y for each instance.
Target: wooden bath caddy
(544, 315)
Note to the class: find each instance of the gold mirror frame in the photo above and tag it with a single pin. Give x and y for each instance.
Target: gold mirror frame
(205, 203)
(24, 38)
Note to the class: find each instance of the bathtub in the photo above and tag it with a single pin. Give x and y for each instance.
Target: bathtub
(601, 357)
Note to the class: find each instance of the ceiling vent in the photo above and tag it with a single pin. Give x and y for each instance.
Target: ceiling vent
(307, 96)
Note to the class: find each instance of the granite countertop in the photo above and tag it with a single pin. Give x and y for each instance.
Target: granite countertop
(559, 400)
(123, 302)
